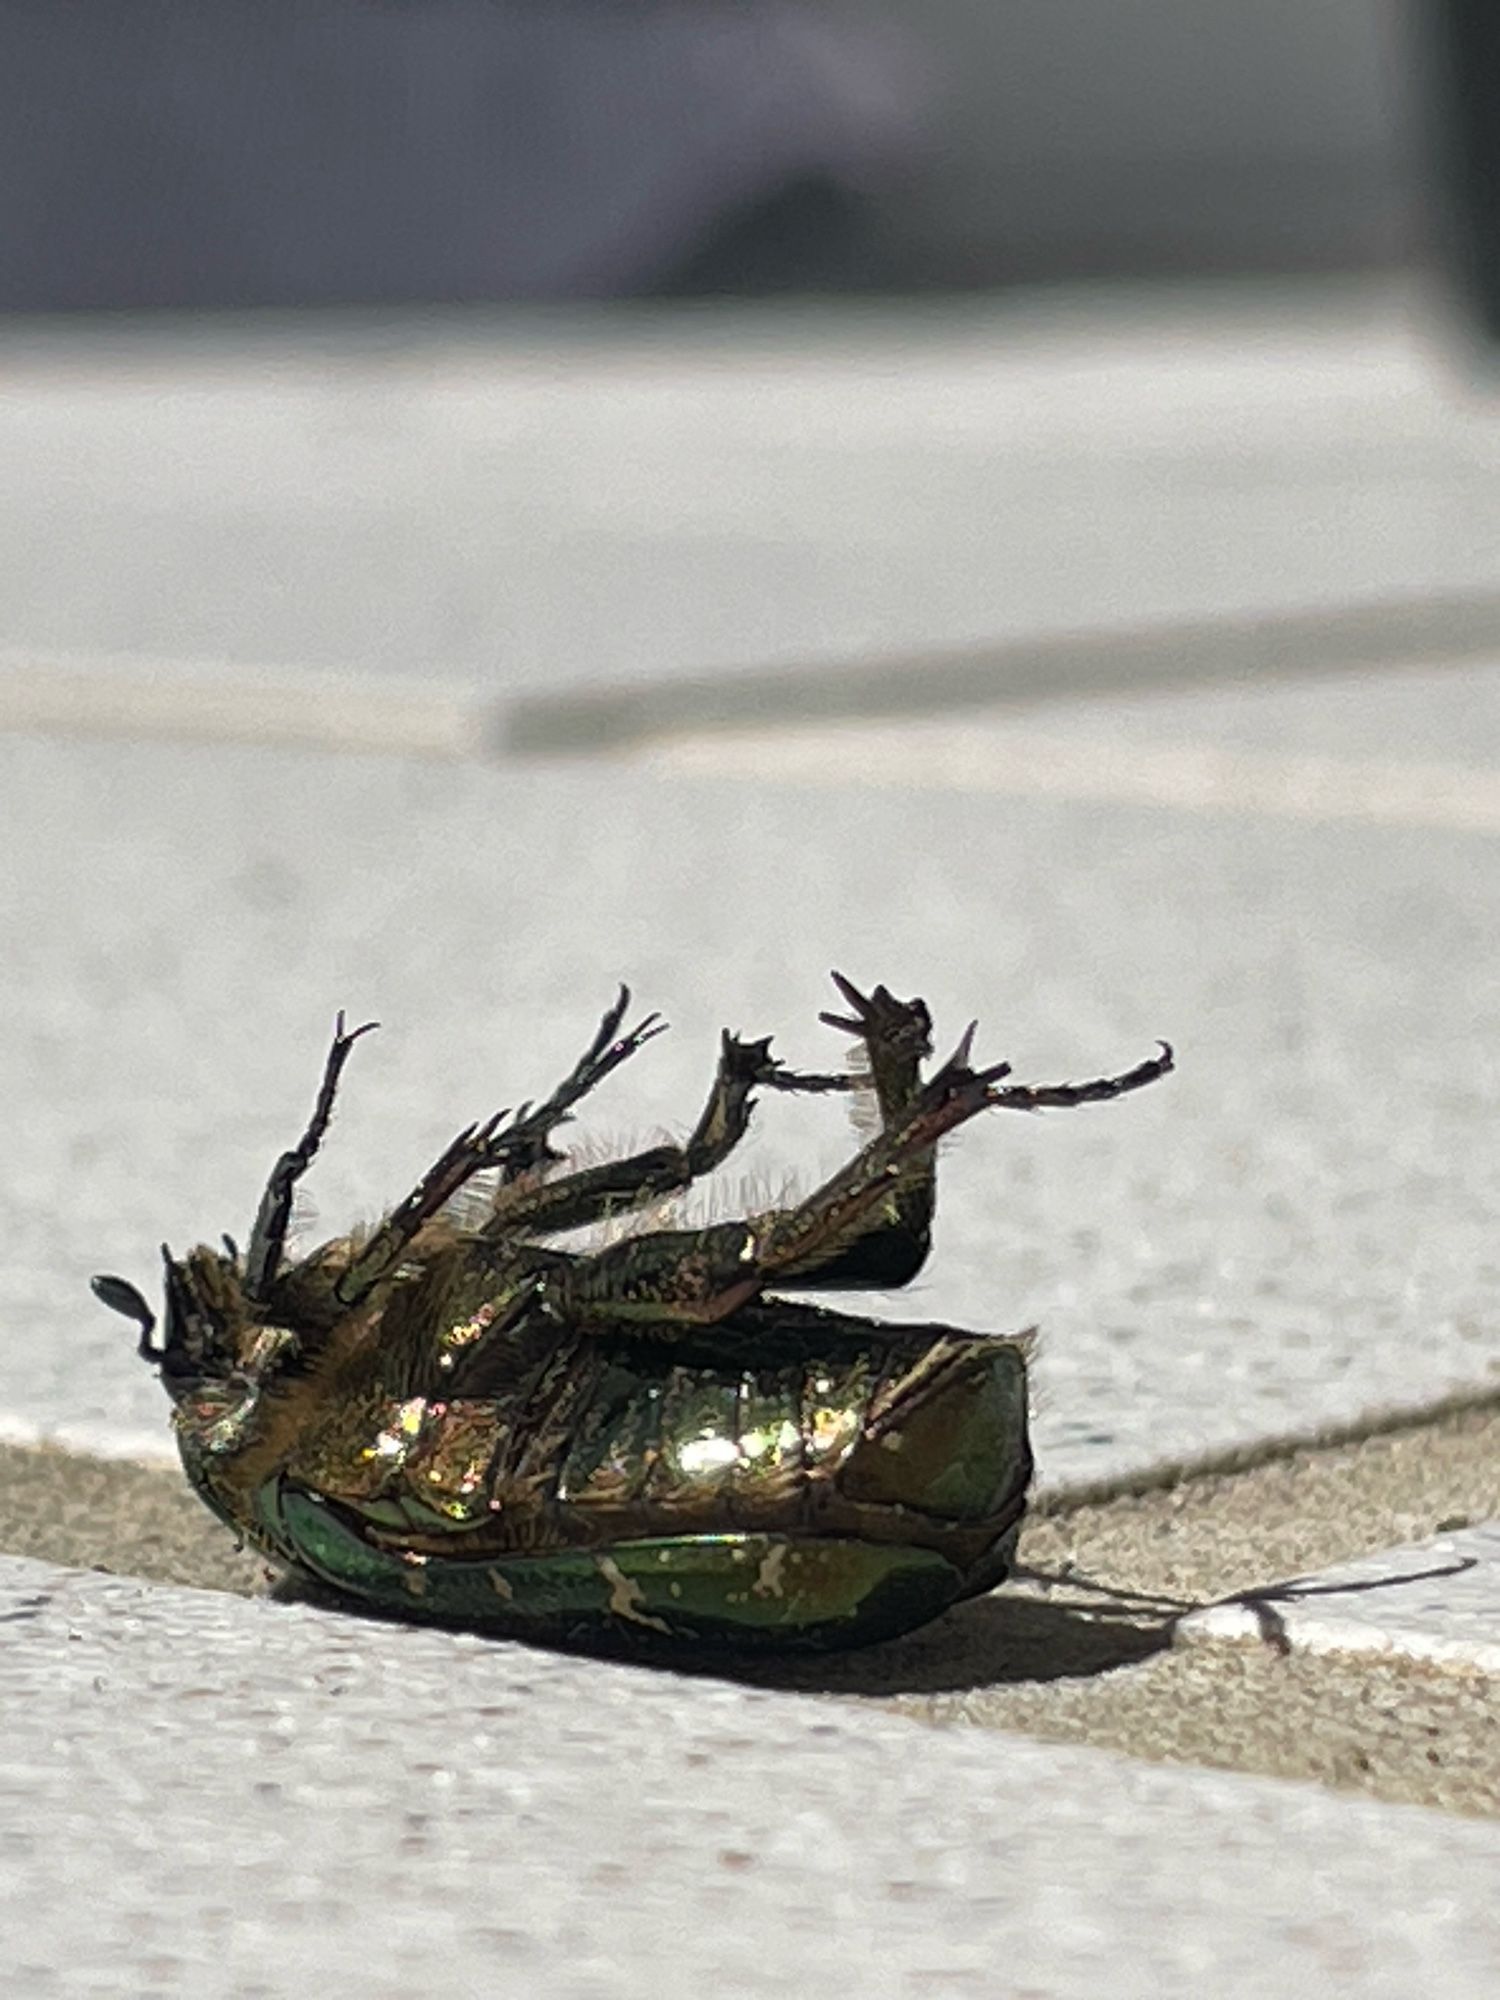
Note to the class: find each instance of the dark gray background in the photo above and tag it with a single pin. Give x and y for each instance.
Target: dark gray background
(263, 152)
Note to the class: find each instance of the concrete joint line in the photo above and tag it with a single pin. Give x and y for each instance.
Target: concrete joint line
(1186, 653)
(1280, 1449)
(144, 700)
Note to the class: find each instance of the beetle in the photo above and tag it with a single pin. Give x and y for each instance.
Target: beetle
(451, 1417)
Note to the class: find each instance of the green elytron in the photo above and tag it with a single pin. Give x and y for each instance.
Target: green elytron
(449, 1417)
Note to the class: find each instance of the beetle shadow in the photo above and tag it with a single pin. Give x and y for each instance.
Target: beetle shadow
(1004, 1639)
(994, 1641)
(1010, 1638)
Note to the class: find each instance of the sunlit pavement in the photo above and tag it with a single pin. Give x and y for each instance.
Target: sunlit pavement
(1293, 1238)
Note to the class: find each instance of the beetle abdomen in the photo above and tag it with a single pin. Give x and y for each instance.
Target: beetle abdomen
(608, 1438)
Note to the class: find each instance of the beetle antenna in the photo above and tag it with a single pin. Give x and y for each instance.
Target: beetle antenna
(122, 1297)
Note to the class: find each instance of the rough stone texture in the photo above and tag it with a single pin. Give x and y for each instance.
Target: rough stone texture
(1436, 1600)
(236, 1798)
(1391, 1729)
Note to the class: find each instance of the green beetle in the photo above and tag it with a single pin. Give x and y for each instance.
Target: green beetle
(449, 1417)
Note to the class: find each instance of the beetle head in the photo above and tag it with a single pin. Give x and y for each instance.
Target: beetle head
(205, 1324)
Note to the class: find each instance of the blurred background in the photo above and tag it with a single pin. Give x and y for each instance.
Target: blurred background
(339, 151)
(544, 345)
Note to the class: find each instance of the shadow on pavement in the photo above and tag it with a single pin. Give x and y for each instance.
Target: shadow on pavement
(992, 1641)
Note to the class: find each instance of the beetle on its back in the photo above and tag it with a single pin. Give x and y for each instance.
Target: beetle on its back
(451, 1418)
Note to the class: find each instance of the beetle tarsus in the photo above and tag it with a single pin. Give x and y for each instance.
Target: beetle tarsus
(895, 1032)
(1099, 1090)
(530, 1139)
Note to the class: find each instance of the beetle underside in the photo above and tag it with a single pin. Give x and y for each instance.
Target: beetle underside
(454, 1418)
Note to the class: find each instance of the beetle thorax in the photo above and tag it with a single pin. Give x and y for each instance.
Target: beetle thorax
(212, 1338)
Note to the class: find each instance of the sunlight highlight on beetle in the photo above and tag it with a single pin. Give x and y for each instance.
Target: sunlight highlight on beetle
(708, 1454)
(396, 1441)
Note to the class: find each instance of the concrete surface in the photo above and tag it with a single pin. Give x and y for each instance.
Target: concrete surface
(247, 1798)
(538, 503)
(1413, 746)
(1437, 1600)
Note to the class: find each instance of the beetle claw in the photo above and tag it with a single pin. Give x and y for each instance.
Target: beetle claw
(842, 1021)
(644, 1031)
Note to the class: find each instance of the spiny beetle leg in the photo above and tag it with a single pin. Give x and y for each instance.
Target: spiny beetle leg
(515, 1148)
(268, 1236)
(475, 1148)
(693, 1277)
(573, 1200)
(530, 1135)
(897, 1035)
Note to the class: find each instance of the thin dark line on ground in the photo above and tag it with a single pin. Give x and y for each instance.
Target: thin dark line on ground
(1197, 654)
(146, 699)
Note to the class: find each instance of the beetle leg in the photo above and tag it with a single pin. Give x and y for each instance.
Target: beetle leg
(596, 1193)
(475, 1148)
(268, 1237)
(1098, 1090)
(895, 1036)
(528, 1144)
(700, 1276)
(516, 1147)
(578, 1198)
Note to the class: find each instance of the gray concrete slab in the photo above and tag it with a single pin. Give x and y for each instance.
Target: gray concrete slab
(1408, 728)
(1421, 718)
(1295, 1231)
(537, 503)
(1117, 665)
(230, 1797)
